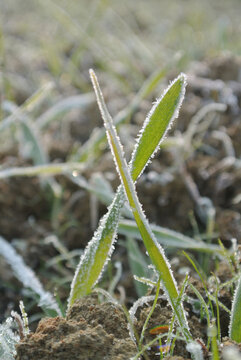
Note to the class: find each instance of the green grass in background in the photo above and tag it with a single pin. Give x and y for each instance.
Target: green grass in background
(61, 40)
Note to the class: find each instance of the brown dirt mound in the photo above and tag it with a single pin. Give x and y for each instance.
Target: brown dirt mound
(90, 331)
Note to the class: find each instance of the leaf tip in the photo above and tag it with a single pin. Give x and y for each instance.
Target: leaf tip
(91, 72)
(183, 77)
(93, 77)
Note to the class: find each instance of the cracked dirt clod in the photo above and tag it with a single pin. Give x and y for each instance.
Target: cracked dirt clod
(90, 331)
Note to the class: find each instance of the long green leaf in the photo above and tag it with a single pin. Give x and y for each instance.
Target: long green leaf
(155, 251)
(100, 247)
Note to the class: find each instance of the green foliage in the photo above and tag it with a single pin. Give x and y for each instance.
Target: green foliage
(154, 249)
(100, 247)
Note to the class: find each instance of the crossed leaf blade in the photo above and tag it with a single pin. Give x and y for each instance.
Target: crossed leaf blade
(101, 246)
(154, 250)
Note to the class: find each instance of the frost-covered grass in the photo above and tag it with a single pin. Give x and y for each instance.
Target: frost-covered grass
(169, 35)
(100, 248)
(154, 130)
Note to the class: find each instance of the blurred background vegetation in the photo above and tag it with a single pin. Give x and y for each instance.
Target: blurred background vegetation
(60, 40)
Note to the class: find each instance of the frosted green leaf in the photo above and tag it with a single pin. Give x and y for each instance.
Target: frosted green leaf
(97, 252)
(155, 251)
(156, 125)
(91, 263)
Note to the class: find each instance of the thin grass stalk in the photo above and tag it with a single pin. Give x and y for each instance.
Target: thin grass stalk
(42, 170)
(150, 314)
(202, 280)
(203, 303)
(212, 332)
(171, 326)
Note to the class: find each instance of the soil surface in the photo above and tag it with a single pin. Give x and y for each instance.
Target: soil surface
(95, 330)
(90, 331)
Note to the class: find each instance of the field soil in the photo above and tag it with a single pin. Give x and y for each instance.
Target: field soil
(179, 189)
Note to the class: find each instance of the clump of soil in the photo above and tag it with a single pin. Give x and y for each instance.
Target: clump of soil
(90, 331)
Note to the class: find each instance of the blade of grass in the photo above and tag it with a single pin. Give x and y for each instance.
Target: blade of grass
(102, 190)
(27, 277)
(42, 170)
(212, 332)
(63, 106)
(235, 320)
(202, 280)
(203, 303)
(149, 315)
(100, 248)
(141, 151)
(167, 237)
(31, 142)
(33, 101)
